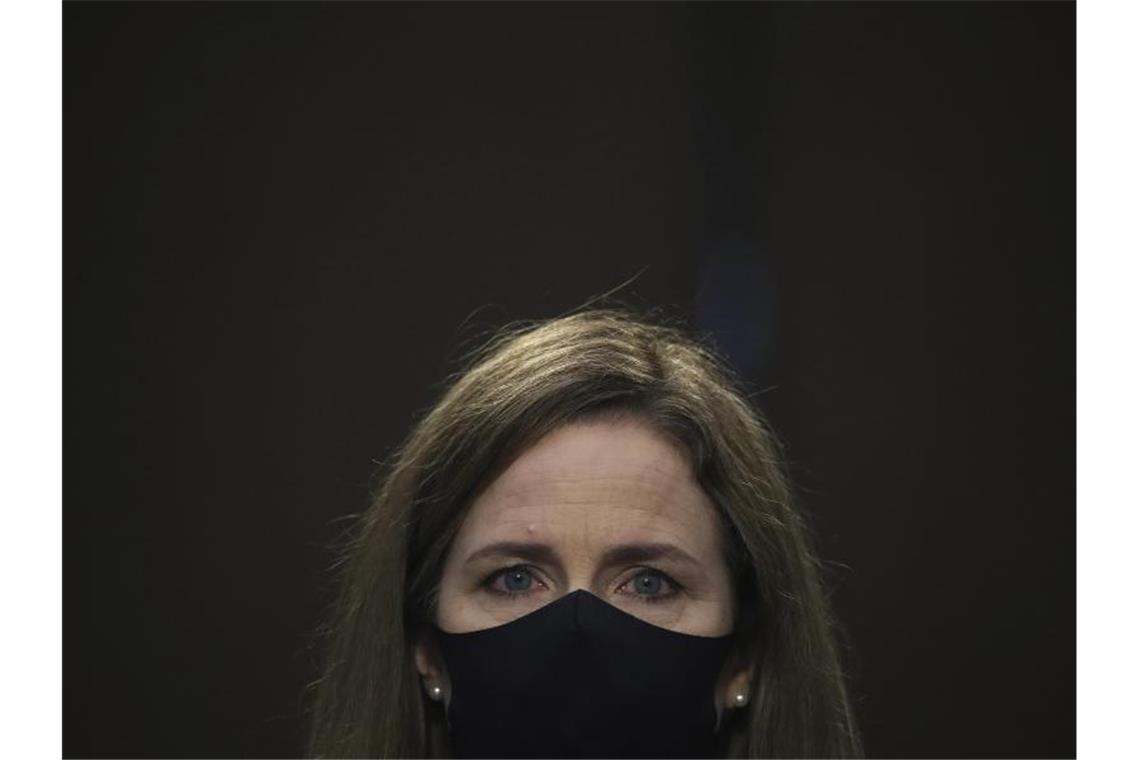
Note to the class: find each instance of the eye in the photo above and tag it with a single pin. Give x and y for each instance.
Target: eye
(650, 585)
(517, 579)
(511, 581)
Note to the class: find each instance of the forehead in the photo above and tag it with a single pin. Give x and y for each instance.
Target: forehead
(598, 481)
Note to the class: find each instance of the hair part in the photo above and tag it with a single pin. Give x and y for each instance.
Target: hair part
(525, 383)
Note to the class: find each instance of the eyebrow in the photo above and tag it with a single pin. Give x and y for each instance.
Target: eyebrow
(622, 553)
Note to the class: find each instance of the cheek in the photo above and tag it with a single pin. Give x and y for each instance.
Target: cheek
(451, 606)
(706, 616)
(463, 607)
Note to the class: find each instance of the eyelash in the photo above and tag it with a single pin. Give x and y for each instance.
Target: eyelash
(675, 588)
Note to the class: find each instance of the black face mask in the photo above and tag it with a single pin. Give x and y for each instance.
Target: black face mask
(581, 678)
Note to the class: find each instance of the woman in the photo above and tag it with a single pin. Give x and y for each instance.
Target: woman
(586, 548)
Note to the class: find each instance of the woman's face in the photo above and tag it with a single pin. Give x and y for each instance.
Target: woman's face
(611, 507)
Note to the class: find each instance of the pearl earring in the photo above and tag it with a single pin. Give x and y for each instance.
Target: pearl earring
(741, 700)
(435, 692)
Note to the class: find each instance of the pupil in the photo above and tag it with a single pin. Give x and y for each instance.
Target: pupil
(648, 583)
(517, 580)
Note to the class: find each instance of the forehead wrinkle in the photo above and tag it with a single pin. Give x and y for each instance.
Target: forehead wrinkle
(549, 468)
(592, 447)
(636, 522)
(610, 503)
(592, 485)
(582, 480)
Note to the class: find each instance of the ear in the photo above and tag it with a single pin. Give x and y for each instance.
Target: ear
(737, 685)
(426, 663)
(429, 664)
(734, 685)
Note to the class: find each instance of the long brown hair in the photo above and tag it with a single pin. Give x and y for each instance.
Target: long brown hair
(523, 384)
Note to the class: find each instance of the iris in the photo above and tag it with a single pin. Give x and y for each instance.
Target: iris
(517, 580)
(648, 584)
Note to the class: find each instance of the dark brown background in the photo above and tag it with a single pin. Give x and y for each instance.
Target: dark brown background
(283, 222)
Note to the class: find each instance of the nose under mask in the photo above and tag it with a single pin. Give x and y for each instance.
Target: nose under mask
(582, 678)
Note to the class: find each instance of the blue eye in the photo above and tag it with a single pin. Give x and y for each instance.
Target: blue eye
(517, 579)
(647, 584)
(652, 586)
(511, 582)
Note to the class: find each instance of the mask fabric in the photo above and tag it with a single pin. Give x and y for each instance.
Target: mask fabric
(581, 678)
